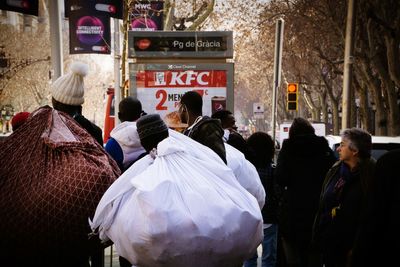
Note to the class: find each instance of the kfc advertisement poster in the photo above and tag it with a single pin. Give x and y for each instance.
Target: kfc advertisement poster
(160, 90)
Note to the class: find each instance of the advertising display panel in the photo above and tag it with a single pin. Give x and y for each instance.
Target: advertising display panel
(110, 8)
(29, 7)
(160, 86)
(89, 34)
(146, 16)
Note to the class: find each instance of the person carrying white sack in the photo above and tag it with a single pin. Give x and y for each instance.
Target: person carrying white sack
(178, 206)
(245, 173)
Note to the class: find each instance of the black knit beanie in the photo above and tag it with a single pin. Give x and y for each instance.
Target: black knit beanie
(151, 124)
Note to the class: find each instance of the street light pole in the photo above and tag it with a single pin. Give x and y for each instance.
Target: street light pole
(55, 39)
(117, 71)
(277, 71)
(348, 65)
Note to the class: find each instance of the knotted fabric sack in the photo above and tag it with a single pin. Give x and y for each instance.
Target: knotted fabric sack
(52, 176)
(184, 208)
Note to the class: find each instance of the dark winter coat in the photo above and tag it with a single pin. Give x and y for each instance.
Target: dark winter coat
(301, 168)
(237, 141)
(378, 242)
(90, 127)
(335, 236)
(209, 132)
(271, 197)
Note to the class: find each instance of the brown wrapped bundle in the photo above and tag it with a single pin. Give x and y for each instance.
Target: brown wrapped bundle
(52, 176)
(174, 122)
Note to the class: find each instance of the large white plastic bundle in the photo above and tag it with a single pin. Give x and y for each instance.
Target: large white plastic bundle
(245, 173)
(184, 209)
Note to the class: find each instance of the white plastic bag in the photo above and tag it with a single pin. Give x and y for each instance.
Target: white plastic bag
(185, 209)
(112, 199)
(245, 173)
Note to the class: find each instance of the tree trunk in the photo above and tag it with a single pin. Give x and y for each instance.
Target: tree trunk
(169, 10)
(393, 57)
(375, 88)
(393, 60)
(384, 66)
(391, 122)
(324, 106)
(313, 108)
(335, 118)
(353, 106)
(335, 107)
(364, 110)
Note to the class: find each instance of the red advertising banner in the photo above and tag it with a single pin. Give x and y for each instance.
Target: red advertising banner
(146, 16)
(29, 7)
(89, 34)
(161, 90)
(182, 78)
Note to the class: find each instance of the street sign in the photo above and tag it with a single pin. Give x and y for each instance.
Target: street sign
(258, 110)
(183, 44)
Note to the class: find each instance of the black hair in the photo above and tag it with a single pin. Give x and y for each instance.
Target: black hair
(151, 141)
(263, 148)
(226, 117)
(130, 109)
(222, 115)
(300, 126)
(193, 102)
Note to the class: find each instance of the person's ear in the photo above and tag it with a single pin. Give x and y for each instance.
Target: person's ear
(182, 108)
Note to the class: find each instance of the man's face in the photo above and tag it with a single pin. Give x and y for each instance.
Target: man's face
(182, 111)
(230, 123)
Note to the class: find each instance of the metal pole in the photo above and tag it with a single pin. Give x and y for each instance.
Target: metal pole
(55, 39)
(117, 65)
(348, 65)
(277, 71)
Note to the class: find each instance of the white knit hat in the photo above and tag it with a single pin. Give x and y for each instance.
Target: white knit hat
(68, 89)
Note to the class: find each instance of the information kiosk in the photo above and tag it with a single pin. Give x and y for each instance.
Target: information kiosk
(168, 64)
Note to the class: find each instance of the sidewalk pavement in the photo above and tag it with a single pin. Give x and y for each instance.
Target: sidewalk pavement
(111, 257)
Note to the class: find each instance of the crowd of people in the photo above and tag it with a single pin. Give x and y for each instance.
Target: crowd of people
(65, 196)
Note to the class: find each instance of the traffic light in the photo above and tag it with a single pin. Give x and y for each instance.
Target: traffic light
(292, 96)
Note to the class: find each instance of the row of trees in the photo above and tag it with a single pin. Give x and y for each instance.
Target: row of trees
(24, 76)
(313, 56)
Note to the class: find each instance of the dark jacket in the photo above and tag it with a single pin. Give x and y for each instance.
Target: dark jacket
(90, 127)
(209, 132)
(335, 234)
(237, 141)
(301, 168)
(378, 241)
(271, 197)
